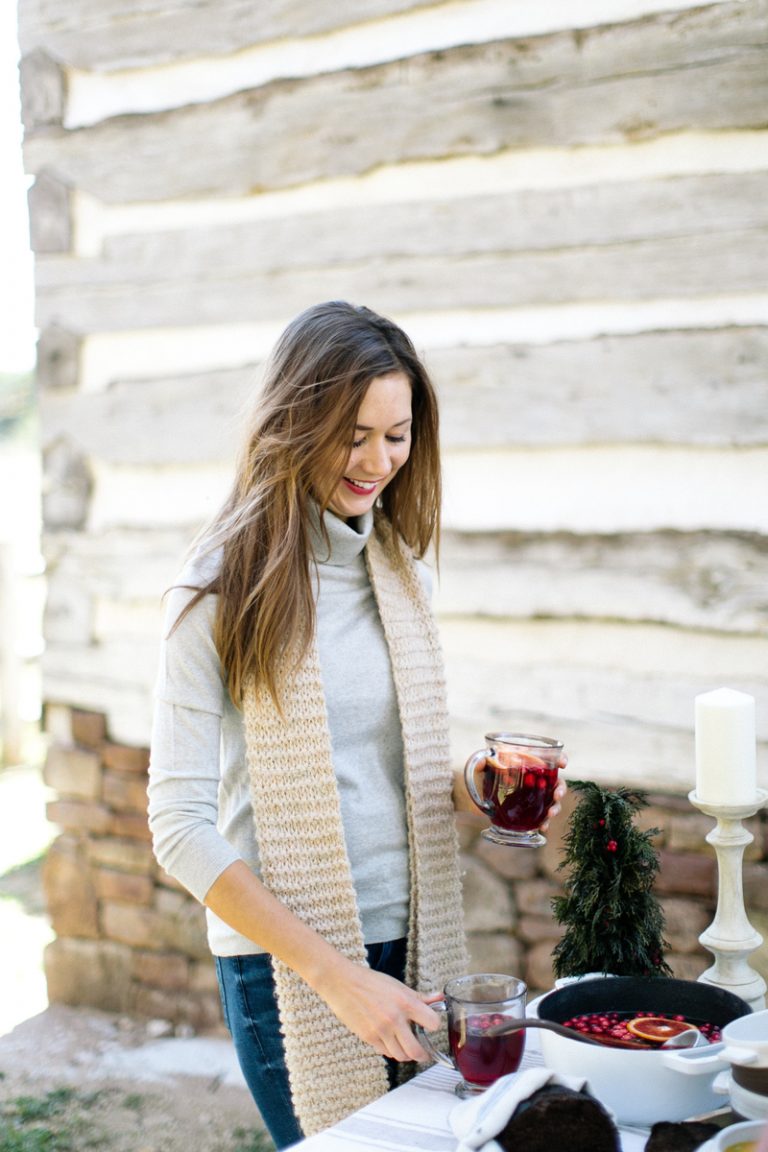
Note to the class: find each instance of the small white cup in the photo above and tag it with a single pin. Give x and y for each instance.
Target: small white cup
(746, 1040)
(735, 1135)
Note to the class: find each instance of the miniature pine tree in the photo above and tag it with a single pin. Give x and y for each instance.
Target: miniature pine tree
(613, 922)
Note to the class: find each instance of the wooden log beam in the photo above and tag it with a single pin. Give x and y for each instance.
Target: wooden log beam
(627, 488)
(707, 580)
(711, 581)
(621, 696)
(615, 84)
(118, 565)
(104, 34)
(587, 671)
(692, 387)
(128, 423)
(686, 267)
(529, 219)
(113, 680)
(515, 221)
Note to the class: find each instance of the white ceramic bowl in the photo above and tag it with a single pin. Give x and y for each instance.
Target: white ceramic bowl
(746, 1040)
(744, 1102)
(734, 1134)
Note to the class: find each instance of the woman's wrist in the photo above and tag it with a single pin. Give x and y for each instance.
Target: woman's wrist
(324, 967)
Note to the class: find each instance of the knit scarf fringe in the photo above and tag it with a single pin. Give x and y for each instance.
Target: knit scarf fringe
(302, 847)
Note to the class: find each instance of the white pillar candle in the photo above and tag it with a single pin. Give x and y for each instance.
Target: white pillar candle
(726, 767)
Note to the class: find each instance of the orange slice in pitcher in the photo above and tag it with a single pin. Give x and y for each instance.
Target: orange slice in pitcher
(656, 1028)
(515, 762)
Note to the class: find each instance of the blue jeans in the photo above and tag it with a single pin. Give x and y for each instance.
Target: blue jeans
(247, 992)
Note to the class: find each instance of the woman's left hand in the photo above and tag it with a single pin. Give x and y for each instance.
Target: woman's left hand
(560, 790)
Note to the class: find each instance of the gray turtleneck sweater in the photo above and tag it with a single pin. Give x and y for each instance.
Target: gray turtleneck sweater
(199, 799)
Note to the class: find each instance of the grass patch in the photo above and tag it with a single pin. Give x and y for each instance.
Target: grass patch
(29, 1109)
(54, 1122)
(30, 1140)
(25, 1123)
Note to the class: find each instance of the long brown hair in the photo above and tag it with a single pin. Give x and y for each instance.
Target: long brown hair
(293, 455)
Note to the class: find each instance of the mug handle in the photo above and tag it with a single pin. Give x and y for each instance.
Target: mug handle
(425, 1039)
(469, 779)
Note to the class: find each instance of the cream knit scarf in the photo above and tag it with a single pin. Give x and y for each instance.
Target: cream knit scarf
(302, 847)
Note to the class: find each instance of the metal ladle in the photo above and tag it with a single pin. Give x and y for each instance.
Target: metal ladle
(690, 1038)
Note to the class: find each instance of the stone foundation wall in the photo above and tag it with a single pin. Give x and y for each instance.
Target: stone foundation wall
(129, 939)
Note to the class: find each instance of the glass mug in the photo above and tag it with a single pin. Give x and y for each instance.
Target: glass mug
(513, 781)
(477, 1007)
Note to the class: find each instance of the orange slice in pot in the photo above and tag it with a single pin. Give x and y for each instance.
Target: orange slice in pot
(657, 1028)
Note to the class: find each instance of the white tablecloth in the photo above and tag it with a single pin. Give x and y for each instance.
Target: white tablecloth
(414, 1118)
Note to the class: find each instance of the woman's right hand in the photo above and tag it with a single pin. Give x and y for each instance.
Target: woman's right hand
(378, 1009)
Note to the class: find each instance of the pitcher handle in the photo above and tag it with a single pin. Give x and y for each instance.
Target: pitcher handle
(470, 768)
(425, 1039)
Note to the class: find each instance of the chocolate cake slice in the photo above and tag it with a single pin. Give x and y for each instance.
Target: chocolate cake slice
(558, 1117)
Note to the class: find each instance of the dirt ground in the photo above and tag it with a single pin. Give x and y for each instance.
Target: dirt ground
(93, 1080)
(74, 1079)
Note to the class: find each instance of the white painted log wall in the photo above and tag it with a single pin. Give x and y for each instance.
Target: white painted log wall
(547, 619)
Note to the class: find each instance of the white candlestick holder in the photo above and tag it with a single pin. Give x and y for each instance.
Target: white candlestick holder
(730, 937)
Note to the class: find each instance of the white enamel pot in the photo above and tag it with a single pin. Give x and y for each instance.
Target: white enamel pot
(640, 1087)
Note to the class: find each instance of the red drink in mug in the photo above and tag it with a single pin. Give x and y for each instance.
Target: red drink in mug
(513, 780)
(520, 788)
(481, 1010)
(480, 1053)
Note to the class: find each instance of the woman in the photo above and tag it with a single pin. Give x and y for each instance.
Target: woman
(300, 782)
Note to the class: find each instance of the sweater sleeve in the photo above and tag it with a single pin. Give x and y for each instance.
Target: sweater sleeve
(184, 768)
